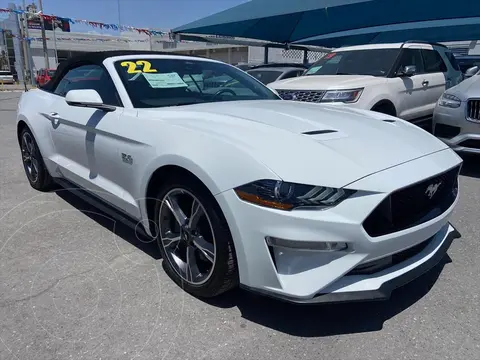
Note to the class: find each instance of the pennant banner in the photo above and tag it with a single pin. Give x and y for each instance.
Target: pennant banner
(63, 38)
(94, 24)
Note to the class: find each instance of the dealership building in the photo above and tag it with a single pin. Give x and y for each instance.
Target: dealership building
(63, 43)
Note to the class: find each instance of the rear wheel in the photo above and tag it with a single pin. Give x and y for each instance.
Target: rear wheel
(35, 169)
(194, 239)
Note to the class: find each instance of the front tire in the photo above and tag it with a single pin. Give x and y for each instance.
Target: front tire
(194, 239)
(35, 169)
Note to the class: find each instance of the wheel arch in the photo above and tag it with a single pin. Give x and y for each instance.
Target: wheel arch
(21, 124)
(159, 171)
(385, 103)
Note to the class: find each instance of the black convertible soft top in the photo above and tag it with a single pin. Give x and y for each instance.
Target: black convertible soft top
(97, 58)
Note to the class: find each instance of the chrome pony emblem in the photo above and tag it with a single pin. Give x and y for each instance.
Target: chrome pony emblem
(432, 189)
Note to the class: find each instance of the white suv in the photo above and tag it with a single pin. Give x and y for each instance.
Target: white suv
(402, 79)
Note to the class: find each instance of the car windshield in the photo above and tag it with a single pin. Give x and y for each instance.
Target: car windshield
(51, 73)
(374, 62)
(265, 76)
(160, 82)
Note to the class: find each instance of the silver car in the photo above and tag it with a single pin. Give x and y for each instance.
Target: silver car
(268, 74)
(456, 118)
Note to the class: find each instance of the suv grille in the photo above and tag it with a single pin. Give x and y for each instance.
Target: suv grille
(473, 110)
(414, 205)
(302, 95)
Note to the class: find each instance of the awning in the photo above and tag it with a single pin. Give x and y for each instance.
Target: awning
(333, 23)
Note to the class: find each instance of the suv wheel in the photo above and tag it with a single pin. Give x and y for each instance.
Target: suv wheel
(385, 108)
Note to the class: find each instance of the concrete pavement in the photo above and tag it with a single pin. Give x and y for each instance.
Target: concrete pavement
(76, 285)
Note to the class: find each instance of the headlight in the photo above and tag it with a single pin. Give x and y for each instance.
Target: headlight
(287, 196)
(449, 100)
(346, 96)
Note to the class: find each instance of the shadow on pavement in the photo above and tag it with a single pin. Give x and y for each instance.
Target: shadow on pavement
(332, 319)
(147, 245)
(292, 319)
(470, 166)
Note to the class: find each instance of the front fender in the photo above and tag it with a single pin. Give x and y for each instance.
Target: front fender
(220, 165)
(30, 105)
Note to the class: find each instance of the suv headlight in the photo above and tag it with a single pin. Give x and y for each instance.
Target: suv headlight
(288, 196)
(346, 96)
(449, 100)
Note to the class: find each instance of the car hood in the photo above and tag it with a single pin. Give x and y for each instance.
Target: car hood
(326, 82)
(307, 143)
(467, 88)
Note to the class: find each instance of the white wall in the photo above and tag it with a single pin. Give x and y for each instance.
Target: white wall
(38, 58)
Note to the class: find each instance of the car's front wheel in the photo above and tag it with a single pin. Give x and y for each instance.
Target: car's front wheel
(35, 169)
(194, 239)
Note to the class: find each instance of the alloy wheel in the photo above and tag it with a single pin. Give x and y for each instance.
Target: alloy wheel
(187, 237)
(29, 157)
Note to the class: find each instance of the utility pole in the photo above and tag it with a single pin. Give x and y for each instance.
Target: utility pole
(21, 22)
(44, 37)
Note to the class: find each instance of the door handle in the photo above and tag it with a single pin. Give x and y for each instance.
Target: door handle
(425, 83)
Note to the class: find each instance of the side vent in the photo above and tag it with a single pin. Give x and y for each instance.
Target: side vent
(319, 132)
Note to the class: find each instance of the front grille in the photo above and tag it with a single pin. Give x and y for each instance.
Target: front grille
(446, 131)
(414, 205)
(471, 143)
(473, 110)
(302, 95)
(375, 266)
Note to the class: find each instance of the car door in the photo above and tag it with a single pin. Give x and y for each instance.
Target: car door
(40, 77)
(410, 90)
(83, 148)
(454, 74)
(435, 76)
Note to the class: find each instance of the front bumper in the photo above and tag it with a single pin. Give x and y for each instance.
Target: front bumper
(380, 286)
(452, 127)
(304, 275)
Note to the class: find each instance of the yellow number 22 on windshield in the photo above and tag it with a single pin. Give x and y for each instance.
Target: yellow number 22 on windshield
(132, 67)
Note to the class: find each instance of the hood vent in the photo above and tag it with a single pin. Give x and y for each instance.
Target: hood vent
(389, 121)
(319, 132)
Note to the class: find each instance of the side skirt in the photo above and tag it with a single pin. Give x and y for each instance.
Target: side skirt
(101, 205)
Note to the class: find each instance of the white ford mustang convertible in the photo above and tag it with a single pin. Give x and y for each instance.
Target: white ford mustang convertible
(309, 203)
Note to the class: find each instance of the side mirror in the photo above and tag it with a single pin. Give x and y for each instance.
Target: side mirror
(87, 98)
(408, 70)
(471, 71)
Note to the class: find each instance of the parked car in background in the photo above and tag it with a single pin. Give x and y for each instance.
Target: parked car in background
(466, 62)
(456, 119)
(268, 73)
(6, 77)
(244, 67)
(44, 76)
(402, 79)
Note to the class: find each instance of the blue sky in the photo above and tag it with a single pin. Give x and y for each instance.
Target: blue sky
(159, 14)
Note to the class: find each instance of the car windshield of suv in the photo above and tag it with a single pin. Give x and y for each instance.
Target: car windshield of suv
(265, 76)
(374, 62)
(174, 82)
(51, 73)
